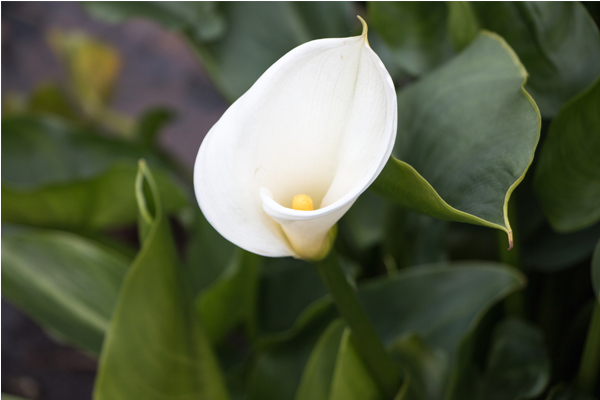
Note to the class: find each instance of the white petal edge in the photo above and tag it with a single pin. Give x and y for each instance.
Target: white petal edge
(228, 201)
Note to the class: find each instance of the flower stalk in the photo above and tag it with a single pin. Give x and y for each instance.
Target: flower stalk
(382, 368)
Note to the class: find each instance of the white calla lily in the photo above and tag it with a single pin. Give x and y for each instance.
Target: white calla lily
(321, 123)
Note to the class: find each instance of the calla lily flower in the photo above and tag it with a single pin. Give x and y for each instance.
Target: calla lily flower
(291, 156)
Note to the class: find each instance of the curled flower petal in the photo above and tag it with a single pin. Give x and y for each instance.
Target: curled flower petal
(320, 122)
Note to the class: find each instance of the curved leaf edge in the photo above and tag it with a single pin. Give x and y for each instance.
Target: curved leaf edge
(462, 216)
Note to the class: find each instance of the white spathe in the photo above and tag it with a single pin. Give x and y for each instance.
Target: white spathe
(321, 121)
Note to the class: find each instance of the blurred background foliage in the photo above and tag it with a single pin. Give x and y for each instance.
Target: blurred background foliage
(463, 317)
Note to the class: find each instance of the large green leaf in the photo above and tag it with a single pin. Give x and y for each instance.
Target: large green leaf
(67, 283)
(442, 303)
(415, 32)
(250, 36)
(558, 42)
(59, 175)
(439, 302)
(460, 152)
(567, 178)
(518, 366)
(155, 347)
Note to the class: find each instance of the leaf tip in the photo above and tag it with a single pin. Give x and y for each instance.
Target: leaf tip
(365, 28)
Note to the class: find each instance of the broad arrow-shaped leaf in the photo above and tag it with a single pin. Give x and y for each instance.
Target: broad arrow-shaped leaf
(155, 348)
(466, 136)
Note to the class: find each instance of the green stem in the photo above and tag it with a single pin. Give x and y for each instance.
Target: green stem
(589, 369)
(381, 366)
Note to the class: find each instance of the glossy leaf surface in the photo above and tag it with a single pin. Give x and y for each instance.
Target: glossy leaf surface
(66, 283)
(492, 138)
(567, 179)
(155, 347)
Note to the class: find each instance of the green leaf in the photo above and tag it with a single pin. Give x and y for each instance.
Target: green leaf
(440, 302)
(567, 179)
(59, 175)
(66, 283)
(255, 34)
(155, 347)
(232, 299)
(596, 271)
(317, 377)
(518, 366)
(558, 42)
(414, 31)
(351, 378)
(426, 369)
(493, 138)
